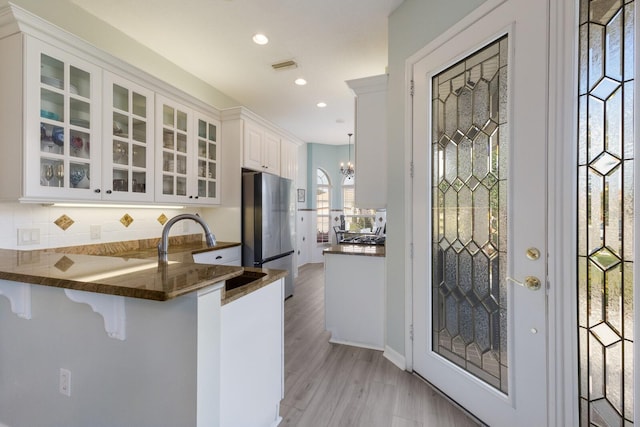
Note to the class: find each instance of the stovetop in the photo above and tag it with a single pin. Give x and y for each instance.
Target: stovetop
(364, 240)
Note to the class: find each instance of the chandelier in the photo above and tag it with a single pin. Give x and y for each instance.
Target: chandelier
(350, 170)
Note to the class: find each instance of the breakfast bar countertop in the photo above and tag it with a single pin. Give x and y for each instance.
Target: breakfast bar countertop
(130, 269)
(144, 278)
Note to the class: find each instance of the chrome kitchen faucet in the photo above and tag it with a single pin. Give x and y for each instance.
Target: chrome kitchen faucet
(163, 247)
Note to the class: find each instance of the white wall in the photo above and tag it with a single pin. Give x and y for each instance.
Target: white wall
(411, 26)
(225, 223)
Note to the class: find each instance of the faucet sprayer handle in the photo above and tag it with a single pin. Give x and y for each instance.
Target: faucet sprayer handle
(211, 239)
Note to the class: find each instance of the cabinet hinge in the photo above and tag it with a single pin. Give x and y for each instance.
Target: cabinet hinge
(411, 332)
(412, 88)
(411, 250)
(411, 170)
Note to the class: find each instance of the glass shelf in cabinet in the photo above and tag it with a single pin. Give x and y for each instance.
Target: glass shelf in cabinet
(79, 82)
(212, 132)
(139, 131)
(168, 116)
(139, 105)
(79, 113)
(51, 138)
(168, 139)
(51, 172)
(181, 121)
(120, 125)
(51, 71)
(51, 105)
(80, 144)
(120, 152)
(181, 143)
(139, 157)
(120, 98)
(79, 175)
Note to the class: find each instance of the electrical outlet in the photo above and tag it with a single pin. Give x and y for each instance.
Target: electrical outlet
(28, 236)
(65, 382)
(95, 231)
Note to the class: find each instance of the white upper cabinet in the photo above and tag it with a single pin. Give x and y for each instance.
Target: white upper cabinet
(79, 125)
(261, 149)
(253, 146)
(174, 150)
(207, 160)
(288, 159)
(271, 153)
(371, 141)
(128, 141)
(186, 154)
(61, 125)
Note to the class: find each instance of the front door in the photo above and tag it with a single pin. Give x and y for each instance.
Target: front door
(479, 216)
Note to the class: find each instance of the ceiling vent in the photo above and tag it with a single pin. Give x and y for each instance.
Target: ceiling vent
(284, 65)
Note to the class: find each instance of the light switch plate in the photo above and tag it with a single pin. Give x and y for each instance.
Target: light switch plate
(28, 236)
(95, 231)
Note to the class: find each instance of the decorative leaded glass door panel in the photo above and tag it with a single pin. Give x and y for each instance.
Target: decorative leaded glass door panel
(480, 132)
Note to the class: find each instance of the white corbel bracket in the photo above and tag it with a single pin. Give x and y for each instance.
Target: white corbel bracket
(110, 307)
(19, 295)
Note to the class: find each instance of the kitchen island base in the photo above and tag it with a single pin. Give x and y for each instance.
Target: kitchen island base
(354, 299)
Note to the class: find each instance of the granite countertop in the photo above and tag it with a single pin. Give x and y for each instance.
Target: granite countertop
(126, 269)
(366, 250)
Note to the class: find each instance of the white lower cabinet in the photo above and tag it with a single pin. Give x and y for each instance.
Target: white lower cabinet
(226, 256)
(252, 358)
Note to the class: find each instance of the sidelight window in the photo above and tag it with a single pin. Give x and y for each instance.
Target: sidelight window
(605, 153)
(323, 208)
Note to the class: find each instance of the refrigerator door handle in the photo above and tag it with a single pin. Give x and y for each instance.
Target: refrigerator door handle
(273, 258)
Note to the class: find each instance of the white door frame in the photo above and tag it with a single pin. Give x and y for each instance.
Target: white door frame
(562, 346)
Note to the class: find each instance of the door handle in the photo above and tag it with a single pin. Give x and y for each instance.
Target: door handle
(530, 282)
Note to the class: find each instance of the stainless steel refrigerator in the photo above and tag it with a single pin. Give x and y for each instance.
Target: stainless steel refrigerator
(268, 215)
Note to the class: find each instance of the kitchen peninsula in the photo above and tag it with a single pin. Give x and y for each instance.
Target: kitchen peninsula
(169, 355)
(355, 278)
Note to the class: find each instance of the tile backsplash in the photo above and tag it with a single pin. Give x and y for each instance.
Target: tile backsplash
(38, 223)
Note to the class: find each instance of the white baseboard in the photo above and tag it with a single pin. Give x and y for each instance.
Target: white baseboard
(395, 358)
(353, 344)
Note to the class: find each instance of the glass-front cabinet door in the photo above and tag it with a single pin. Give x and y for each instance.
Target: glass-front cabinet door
(173, 151)
(187, 155)
(61, 124)
(127, 141)
(207, 167)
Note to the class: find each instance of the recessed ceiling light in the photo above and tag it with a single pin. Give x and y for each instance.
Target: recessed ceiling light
(300, 81)
(260, 39)
(321, 104)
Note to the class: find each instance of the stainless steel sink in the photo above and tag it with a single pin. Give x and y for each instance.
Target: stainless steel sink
(244, 279)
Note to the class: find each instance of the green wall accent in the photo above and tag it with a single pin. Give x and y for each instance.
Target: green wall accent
(327, 158)
(412, 26)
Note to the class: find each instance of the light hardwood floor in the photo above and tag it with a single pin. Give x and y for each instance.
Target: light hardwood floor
(336, 385)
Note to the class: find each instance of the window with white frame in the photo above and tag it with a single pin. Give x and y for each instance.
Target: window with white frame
(355, 219)
(323, 208)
